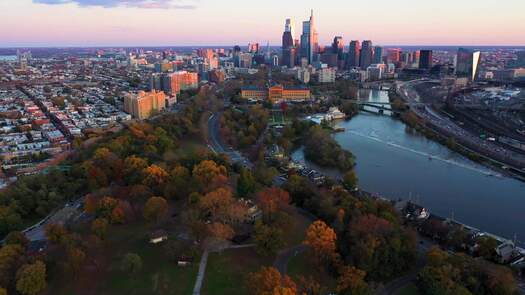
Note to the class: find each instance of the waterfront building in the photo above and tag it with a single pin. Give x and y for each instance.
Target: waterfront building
(467, 63)
(367, 54)
(354, 51)
(425, 59)
(142, 104)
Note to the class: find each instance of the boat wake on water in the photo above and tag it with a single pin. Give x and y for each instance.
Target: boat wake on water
(427, 155)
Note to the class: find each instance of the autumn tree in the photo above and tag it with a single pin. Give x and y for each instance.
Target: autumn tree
(56, 233)
(221, 231)
(154, 176)
(351, 281)
(209, 175)
(156, 209)
(310, 286)
(75, 259)
(133, 169)
(16, 238)
(268, 280)
(220, 206)
(131, 263)
(99, 227)
(9, 257)
(31, 278)
(322, 240)
(271, 201)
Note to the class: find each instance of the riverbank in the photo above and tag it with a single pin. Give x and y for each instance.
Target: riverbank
(440, 134)
(399, 163)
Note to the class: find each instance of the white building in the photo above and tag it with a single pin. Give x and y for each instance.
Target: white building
(326, 75)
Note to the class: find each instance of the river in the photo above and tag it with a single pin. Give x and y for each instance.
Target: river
(395, 162)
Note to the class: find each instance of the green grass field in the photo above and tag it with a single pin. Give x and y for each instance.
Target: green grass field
(410, 289)
(303, 265)
(158, 275)
(227, 272)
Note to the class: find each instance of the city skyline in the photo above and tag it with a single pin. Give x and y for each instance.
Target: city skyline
(107, 22)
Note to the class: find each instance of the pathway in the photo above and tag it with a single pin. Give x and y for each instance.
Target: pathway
(204, 262)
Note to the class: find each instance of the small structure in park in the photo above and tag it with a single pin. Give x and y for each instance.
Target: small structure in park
(158, 236)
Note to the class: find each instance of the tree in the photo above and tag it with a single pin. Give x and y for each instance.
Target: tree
(221, 231)
(246, 184)
(155, 209)
(352, 282)
(131, 263)
(3, 291)
(56, 233)
(31, 278)
(272, 201)
(350, 179)
(16, 238)
(76, 258)
(155, 176)
(268, 280)
(310, 286)
(268, 239)
(209, 175)
(321, 238)
(487, 247)
(99, 227)
(9, 257)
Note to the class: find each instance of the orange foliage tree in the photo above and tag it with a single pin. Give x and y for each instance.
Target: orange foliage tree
(268, 281)
(321, 239)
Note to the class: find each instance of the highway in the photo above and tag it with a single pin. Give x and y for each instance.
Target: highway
(462, 136)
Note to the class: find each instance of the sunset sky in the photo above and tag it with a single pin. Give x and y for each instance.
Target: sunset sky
(228, 22)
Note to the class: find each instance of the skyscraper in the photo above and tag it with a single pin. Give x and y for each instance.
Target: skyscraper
(353, 54)
(467, 62)
(309, 43)
(425, 59)
(367, 53)
(378, 55)
(288, 48)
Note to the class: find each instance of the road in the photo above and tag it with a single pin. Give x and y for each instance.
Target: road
(216, 145)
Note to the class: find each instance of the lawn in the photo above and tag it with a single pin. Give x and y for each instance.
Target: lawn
(297, 232)
(157, 276)
(227, 272)
(304, 265)
(410, 289)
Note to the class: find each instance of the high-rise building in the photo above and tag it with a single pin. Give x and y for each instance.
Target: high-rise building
(309, 43)
(253, 47)
(173, 83)
(338, 46)
(467, 63)
(378, 55)
(142, 104)
(393, 55)
(354, 51)
(367, 54)
(288, 47)
(425, 59)
(521, 58)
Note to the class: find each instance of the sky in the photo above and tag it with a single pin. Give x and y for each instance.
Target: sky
(34, 23)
